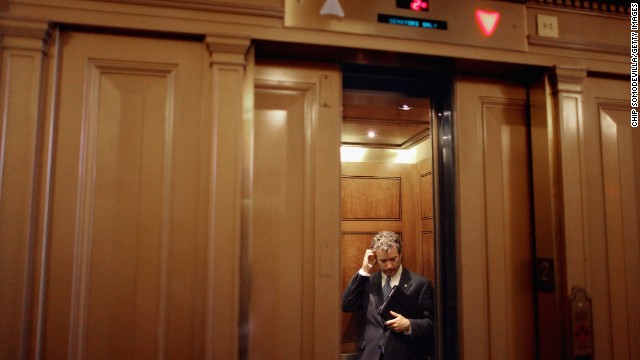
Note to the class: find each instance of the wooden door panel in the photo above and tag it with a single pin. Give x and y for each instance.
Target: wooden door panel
(428, 256)
(508, 229)
(125, 234)
(293, 303)
(276, 253)
(371, 198)
(608, 155)
(621, 165)
(495, 239)
(353, 247)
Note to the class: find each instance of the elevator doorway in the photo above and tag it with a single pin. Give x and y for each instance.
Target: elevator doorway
(311, 87)
(387, 177)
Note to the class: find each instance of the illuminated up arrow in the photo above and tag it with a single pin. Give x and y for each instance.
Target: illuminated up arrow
(332, 7)
(488, 21)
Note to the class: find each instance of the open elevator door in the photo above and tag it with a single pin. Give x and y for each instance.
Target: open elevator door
(291, 265)
(391, 148)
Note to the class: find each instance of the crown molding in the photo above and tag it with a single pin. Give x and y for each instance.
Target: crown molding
(569, 79)
(226, 49)
(27, 34)
(578, 45)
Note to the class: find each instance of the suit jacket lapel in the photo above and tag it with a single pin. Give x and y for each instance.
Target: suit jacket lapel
(376, 286)
(405, 280)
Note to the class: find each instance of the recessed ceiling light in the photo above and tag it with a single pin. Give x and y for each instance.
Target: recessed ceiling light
(405, 107)
(372, 134)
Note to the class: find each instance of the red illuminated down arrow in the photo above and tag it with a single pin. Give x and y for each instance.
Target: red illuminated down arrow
(488, 21)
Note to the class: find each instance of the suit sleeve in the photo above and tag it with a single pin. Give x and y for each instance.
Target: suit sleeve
(423, 328)
(352, 299)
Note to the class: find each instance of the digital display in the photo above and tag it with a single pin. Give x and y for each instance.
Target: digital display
(412, 22)
(415, 5)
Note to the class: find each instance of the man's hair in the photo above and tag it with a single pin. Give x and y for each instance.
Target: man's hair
(385, 241)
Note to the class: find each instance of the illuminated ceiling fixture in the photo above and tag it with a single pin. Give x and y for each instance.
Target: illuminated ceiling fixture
(405, 107)
(488, 21)
(372, 134)
(332, 7)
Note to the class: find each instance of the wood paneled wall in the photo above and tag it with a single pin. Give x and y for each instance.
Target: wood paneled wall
(381, 196)
(116, 244)
(424, 169)
(587, 204)
(602, 240)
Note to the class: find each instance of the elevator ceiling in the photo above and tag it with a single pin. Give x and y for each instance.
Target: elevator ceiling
(384, 119)
(387, 107)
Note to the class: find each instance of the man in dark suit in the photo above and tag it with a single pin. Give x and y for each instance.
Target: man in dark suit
(400, 337)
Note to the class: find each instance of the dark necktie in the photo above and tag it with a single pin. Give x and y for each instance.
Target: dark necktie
(386, 289)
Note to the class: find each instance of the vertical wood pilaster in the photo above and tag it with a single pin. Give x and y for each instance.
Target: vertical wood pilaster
(227, 60)
(23, 45)
(568, 83)
(570, 197)
(558, 163)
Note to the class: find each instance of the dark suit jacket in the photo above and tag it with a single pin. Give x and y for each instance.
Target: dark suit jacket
(365, 293)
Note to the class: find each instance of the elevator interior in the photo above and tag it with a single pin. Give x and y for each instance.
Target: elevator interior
(387, 171)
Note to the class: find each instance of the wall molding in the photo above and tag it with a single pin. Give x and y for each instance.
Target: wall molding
(568, 79)
(578, 45)
(228, 50)
(24, 34)
(213, 6)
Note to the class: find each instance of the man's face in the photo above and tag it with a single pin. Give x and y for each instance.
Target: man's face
(389, 262)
